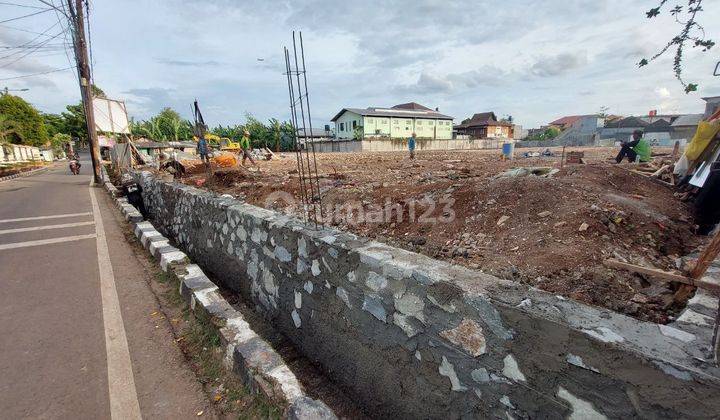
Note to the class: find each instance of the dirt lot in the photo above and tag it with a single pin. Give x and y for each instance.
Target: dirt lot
(550, 232)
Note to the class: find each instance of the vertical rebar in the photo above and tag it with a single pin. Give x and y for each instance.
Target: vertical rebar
(312, 143)
(298, 92)
(293, 123)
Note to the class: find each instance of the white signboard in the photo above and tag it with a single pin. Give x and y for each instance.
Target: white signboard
(111, 116)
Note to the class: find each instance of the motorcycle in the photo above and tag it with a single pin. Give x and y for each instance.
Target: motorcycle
(75, 166)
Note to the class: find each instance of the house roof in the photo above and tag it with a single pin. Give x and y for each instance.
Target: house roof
(408, 110)
(483, 119)
(413, 106)
(659, 126)
(567, 120)
(687, 120)
(627, 122)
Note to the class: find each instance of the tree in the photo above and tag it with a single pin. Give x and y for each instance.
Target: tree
(8, 128)
(29, 127)
(55, 123)
(58, 143)
(692, 33)
(549, 134)
(75, 124)
(168, 125)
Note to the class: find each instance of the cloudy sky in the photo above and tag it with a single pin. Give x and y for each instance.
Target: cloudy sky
(536, 61)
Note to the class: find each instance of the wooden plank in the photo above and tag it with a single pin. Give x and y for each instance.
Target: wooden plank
(707, 257)
(662, 275)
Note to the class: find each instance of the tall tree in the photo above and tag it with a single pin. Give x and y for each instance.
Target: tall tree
(29, 125)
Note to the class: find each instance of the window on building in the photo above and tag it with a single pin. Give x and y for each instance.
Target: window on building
(419, 122)
(342, 126)
(354, 124)
(396, 122)
(370, 120)
(408, 122)
(431, 122)
(384, 121)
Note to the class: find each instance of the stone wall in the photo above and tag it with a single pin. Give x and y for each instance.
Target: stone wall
(413, 337)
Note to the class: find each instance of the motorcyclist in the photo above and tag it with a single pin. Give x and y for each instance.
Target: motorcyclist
(75, 164)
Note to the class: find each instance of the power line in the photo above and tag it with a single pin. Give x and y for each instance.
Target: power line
(30, 51)
(20, 5)
(36, 74)
(23, 17)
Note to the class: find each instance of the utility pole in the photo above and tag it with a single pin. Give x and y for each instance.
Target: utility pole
(81, 57)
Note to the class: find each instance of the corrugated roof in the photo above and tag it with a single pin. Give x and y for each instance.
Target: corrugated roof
(393, 112)
(413, 106)
(659, 126)
(687, 120)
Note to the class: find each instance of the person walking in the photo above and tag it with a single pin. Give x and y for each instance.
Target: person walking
(245, 145)
(638, 147)
(411, 146)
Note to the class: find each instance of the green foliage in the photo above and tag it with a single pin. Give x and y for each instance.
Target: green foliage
(28, 126)
(275, 135)
(8, 128)
(358, 133)
(58, 143)
(549, 134)
(54, 123)
(168, 125)
(74, 119)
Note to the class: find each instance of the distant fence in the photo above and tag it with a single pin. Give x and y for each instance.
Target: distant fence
(400, 145)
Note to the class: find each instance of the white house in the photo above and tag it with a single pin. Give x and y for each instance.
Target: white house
(399, 121)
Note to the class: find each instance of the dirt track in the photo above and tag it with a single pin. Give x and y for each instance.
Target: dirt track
(552, 233)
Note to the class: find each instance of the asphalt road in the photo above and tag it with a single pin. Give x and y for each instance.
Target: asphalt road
(78, 338)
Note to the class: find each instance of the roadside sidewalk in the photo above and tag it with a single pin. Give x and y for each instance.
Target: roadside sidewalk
(166, 386)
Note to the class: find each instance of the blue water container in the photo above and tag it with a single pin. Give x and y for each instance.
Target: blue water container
(508, 150)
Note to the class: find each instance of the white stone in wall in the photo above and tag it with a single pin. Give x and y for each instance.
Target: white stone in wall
(505, 400)
(308, 287)
(301, 266)
(343, 295)
(578, 361)
(375, 281)
(480, 375)
(675, 333)
(512, 370)
(447, 369)
(605, 335)
(402, 321)
(351, 277)
(692, 317)
(282, 254)
(242, 233)
(298, 300)
(302, 247)
(315, 269)
(373, 304)
(296, 318)
(412, 305)
(581, 409)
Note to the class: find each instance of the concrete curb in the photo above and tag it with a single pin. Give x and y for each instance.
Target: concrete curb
(21, 174)
(246, 353)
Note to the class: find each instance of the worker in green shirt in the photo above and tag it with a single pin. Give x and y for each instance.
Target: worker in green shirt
(638, 147)
(245, 145)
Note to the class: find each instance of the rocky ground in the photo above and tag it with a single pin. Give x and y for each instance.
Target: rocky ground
(549, 230)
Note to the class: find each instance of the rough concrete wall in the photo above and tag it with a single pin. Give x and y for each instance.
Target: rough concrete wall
(413, 337)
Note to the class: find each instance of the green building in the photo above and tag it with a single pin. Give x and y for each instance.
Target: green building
(399, 121)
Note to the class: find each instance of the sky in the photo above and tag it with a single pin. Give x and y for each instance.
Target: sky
(536, 61)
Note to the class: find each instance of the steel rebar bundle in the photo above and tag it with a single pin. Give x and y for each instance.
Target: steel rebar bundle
(302, 140)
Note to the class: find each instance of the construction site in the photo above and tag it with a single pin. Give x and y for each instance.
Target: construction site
(546, 227)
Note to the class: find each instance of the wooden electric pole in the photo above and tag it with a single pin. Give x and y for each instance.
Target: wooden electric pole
(81, 57)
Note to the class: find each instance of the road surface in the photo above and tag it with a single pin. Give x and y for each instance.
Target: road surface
(77, 335)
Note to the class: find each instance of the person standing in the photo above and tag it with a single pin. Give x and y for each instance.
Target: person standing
(245, 145)
(202, 150)
(411, 146)
(637, 147)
